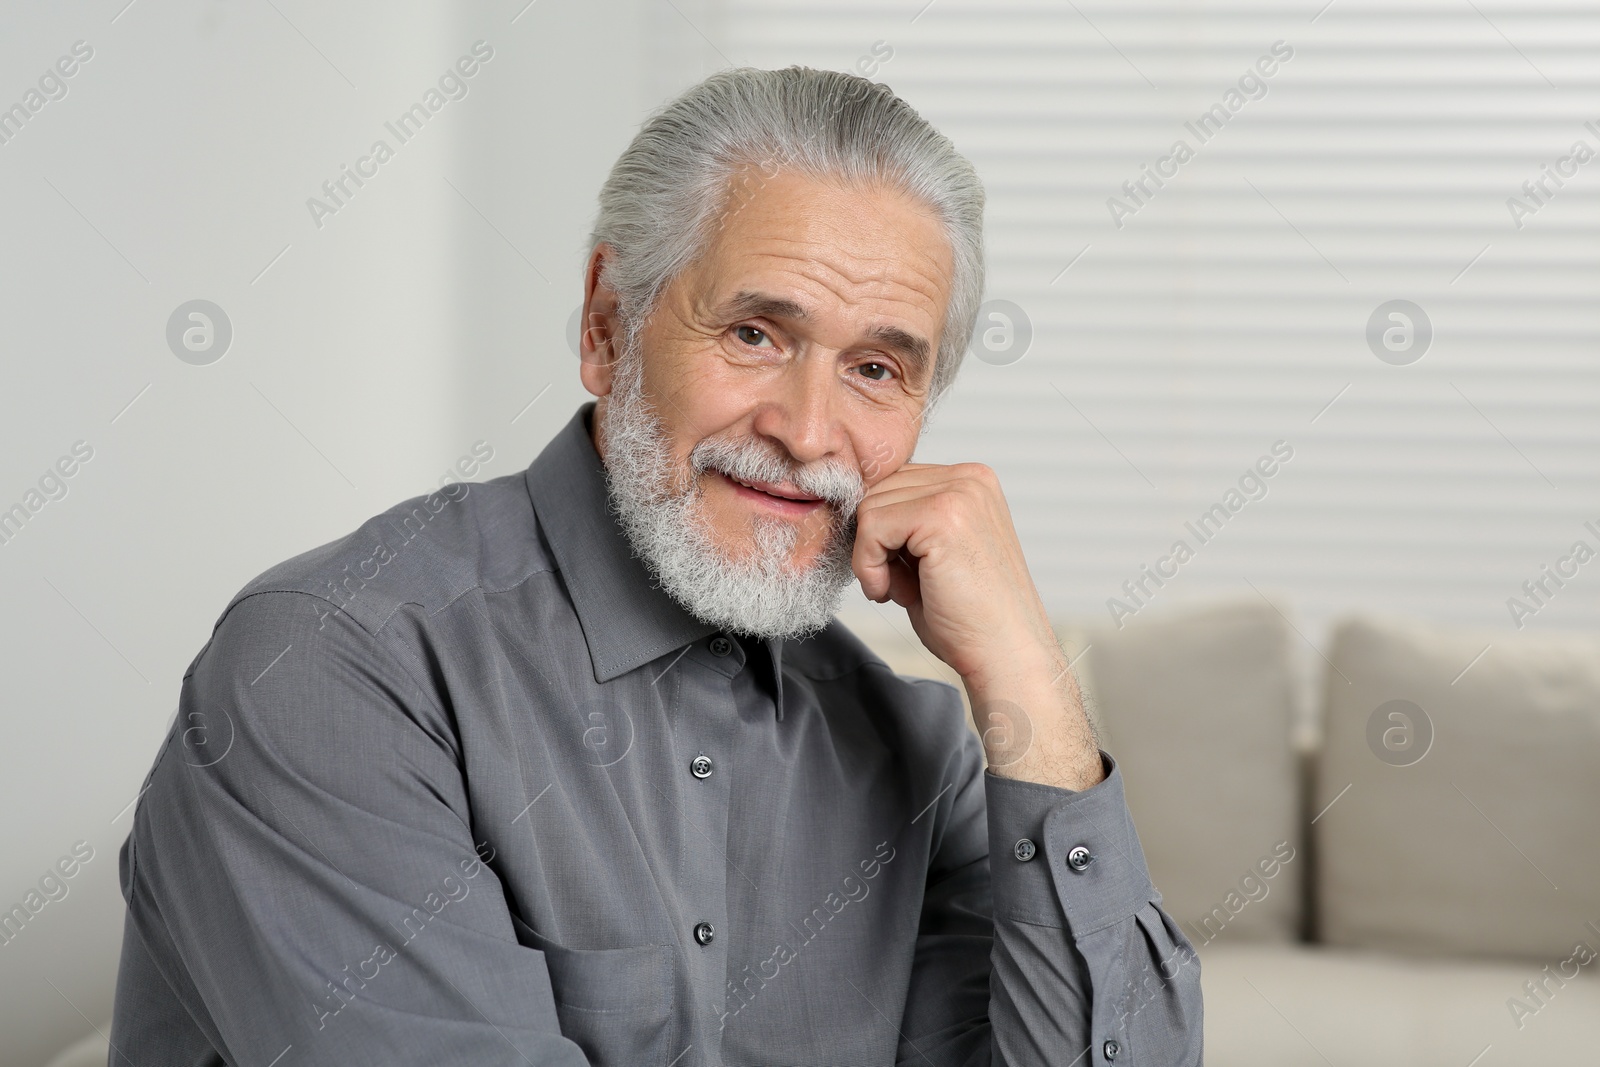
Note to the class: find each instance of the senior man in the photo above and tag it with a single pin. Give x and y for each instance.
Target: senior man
(575, 766)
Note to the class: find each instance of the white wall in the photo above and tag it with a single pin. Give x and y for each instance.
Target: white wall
(365, 359)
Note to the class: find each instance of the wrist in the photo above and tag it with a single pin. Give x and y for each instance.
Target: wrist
(1013, 669)
(1029, 713)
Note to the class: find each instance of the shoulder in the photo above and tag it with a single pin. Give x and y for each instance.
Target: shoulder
(427, 550)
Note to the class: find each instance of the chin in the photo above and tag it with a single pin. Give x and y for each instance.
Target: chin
(744, 549)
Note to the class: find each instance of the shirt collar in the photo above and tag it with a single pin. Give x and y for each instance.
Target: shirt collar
(627, 618)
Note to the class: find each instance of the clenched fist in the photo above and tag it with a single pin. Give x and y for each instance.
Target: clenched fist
(938, 540)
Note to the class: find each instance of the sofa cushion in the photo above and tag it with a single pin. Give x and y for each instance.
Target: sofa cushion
(1309, 1006)
(1461, 770)
(1197, 708)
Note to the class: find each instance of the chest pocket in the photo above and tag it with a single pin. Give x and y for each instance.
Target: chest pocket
(614, 1003)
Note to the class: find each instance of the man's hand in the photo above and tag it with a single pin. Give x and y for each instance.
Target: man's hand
(938, 541)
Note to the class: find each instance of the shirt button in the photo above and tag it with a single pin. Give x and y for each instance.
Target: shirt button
(1079, 858)
(1024, 849)
(703, 933)
(721, 646)
(700, 766)
(1110, 1049)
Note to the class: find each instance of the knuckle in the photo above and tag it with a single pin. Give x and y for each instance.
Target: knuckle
(981, 472)
(947, 505)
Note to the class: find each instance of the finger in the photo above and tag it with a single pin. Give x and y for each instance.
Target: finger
(911, 474)
(902, 494)
(869, 559)
(930, 475)
(880, 533)
(960, 509)
(904, 587)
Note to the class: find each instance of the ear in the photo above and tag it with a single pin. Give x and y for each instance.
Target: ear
(599, 339)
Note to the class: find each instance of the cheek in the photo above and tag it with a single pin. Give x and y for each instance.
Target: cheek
(882, 454)
(692, 400)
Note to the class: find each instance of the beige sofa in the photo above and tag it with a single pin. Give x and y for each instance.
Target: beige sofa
(1368, 883)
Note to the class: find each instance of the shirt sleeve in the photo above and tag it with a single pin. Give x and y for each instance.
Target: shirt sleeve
(1052, 947)
(302, 871)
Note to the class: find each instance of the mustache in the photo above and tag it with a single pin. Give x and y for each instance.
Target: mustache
(752, 460)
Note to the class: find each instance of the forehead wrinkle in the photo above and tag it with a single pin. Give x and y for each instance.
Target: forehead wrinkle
(879, 285)
(877, 196)
(879, 205)
(880, 202)
(919, 281)
(912, 263)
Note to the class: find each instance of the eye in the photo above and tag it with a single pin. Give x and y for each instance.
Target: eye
(875, 371)
(753, 336)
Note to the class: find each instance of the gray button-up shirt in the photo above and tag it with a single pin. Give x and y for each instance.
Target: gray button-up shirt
(464, 787)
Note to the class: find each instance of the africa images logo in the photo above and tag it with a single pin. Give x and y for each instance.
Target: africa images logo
(453, 84)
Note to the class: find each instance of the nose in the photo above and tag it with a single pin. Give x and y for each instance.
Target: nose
(803, 410)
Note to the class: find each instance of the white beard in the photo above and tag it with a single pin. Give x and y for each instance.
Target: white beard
(662, 510)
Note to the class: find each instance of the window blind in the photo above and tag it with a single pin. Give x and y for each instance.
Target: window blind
(1353, 243)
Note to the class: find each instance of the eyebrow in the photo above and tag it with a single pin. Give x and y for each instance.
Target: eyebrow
(746, 305)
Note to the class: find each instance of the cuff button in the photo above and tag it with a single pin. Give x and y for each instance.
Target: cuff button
(1079, 858)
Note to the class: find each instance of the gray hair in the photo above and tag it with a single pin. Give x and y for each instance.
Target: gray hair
(673, 181)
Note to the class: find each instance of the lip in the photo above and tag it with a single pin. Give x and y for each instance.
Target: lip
(775, 498)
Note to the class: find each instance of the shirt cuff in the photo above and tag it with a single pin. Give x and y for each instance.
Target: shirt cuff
(1065, 858)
